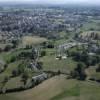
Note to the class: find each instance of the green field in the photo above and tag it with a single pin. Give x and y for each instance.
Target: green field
(91, 72)
(51, 63)
(59, 88)
(92, 24)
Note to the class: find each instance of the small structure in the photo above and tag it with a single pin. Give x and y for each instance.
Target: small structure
(40, 77)
(64, 57)
(91, 54)
(94, 48)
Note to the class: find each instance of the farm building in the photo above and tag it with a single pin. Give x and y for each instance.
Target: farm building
(39, 78)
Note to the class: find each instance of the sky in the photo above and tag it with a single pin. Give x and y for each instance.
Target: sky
(55, 1)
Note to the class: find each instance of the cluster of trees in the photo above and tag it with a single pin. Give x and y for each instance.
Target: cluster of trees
(20, 69)
(26, 55)
(15, 43)
(5, 80)
(48, 44)
(39, 65)
(98, 68)
(24, 78)
(8, 47)
(3, 67)
(11, 59)
(79, 72)
(43, 53)
(89, 60)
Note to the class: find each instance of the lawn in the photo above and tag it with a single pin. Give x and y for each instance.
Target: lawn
(74, 91)
(51, 63)
(14, 83)
(91, 72)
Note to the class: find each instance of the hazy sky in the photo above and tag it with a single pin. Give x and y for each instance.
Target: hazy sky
(56, 1)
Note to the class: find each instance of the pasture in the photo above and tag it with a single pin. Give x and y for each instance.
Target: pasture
(59, 88)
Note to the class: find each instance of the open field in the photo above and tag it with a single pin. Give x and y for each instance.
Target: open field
(91, 72)
(51, 63)
(29, 40)
(17, 83)
(58, 88)
(93, 24)
(63, 65)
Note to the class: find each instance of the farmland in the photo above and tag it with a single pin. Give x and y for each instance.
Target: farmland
(62, 89)
(28, 40)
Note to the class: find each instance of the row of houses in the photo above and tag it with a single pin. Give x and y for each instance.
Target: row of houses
(61, 49)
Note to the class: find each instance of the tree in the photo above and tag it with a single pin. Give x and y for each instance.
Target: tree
(59, 72)
(34, 54)
(76, 36)
(5, 66)
(28, 47)
(79, 72)
(21, 68)
(98, 68)
(15, 43)
(7, 47)
(12, 58)
(39, 65)
(50, 45)
(6, 78)
(15, 73)
(43, 53)
(25, 77)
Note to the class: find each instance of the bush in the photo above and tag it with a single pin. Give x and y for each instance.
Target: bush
(79, 72)
(11, 59)
(39, 65)
(98, 68)
(7, 48)
(43, 53)
(15, 73)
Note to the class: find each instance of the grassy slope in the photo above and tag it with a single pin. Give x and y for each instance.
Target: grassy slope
(60, 87)
(91, 72)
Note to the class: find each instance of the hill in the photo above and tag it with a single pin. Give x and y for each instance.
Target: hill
(59, 88)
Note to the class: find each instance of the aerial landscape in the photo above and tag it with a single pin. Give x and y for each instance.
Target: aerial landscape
(49, 51)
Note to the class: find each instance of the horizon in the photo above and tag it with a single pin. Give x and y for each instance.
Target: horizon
(52, 2)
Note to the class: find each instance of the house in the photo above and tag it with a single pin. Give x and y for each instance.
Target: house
(40, 77)
(94, 48)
